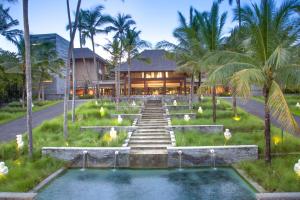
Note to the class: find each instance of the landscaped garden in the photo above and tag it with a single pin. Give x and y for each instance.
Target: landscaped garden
(50, 133)
(247, 129)
(15, 110)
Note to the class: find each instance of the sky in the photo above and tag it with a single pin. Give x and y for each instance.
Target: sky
(155, 18)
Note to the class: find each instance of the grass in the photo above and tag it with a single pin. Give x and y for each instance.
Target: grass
(248, 131)
(25, 173)
(14, 110)
(292, 100)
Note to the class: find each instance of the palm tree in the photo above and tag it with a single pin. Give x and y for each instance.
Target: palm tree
(67, 72)
(45, 62)
(28, 77)
(211, 26)
(120, 25)
(268, 62)
(93, 20)
(132, 44)
(114, 49)
(189, 49)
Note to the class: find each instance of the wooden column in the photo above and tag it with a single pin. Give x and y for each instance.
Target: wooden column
(125, 83)
(180, 89)
(165, 84)
(145, 90)
(185, 86)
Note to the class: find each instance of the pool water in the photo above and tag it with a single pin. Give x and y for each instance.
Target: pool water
(187, 184)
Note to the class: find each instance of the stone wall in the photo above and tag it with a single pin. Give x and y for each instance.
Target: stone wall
(105, 129)
(278, 196)
(126, 116)
(96, 157)
(181, 115)
(200, 128)
(201, 156)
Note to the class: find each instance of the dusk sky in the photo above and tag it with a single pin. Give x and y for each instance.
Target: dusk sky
(155, 18)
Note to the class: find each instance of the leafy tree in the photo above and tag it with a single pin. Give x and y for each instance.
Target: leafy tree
(268, 61)
(132, 44)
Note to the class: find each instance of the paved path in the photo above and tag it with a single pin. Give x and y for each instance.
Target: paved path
(9, 130)
(257, 108)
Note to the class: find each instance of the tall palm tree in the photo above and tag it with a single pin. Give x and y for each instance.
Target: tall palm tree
(67, 72)
(7, 23)
(211, 27)
(120, 25)
(28, 77)
(132, 44)
(268, 62)
(93, 21)
(114, 49)
(189, 49)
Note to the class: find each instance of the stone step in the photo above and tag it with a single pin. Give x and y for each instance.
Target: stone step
(152, 130)
(151, 127)
(150, 141)
(150, 134)
(149, 146)
(146, 137)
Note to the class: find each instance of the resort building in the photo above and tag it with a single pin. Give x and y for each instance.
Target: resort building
(152, 73)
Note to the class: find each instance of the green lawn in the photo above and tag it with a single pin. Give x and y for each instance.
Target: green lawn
(249, 130)
(25, 173)
(14, 110)
(292, 100)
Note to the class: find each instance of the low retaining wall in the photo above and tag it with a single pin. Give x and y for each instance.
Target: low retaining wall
(17, 196)
(104, 129)
(181, 115)
(179, 107)
(278, 196)
(126, 116)
(96, 157)
(201, 156)
(200, 128)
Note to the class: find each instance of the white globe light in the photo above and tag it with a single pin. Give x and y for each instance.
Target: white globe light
(218, 102)
(186, 118)
(3, 169)
(297, 168)
(298, 105)
(201, 97)
(133, 103)
(227, 134)
(200, 110)
(120, 119)
(113, 133)
(174, 103)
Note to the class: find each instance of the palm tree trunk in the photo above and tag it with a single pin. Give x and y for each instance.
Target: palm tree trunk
(67, 75)
(95, 66)
(238, 2)
(74, 86)
(28, 77)
(200, 79)
(214, 104)
(234, 101)
(267, 127)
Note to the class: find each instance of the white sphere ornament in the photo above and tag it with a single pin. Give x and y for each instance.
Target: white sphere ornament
(96, 103)
(32, 105)
(227, 134)
(200, 110)
(3, 169)
(187, 118)
(218, 102)
(201, 97)
(120, 119)
(174, 103)
(297, 168)
(113, 133)
(298, 105)
(20, 142)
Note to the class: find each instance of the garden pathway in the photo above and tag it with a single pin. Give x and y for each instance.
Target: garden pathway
(256, 108)
(149, 142)
(9, 130)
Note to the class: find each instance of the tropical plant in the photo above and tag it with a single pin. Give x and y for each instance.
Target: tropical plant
(267, 62)
(132, 44)
(92, 24)
(45, 63)
(120, 25)
(114, 49)
(67, 71)
(211, 27)
(189, 49)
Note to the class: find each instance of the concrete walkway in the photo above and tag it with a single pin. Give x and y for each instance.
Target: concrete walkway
(256, 108)
(9, 130)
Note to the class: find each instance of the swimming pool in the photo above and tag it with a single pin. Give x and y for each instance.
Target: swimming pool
(186, 184)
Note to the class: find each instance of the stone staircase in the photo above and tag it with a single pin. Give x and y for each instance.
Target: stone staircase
(149, 142)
